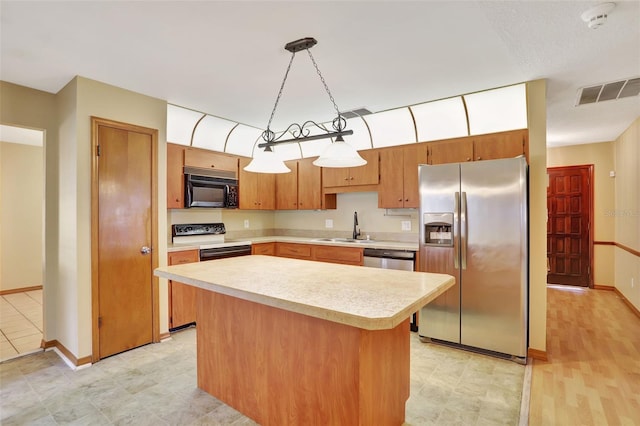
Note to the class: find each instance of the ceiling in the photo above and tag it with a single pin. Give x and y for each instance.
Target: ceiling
(227, 58)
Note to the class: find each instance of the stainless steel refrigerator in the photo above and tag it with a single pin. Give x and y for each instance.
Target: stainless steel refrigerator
(473, 225)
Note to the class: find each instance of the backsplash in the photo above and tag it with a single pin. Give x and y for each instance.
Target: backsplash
(379, 224)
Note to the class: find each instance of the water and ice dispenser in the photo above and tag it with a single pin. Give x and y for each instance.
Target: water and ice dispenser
(438, 229)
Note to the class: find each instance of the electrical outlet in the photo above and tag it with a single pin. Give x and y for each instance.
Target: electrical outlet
(246, 223)
(328, 223)
(406, 225)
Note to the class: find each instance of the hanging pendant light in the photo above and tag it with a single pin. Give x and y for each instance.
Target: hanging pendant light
(267, 162)
(338, 154)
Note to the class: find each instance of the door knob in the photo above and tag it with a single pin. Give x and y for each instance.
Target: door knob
(145, 250)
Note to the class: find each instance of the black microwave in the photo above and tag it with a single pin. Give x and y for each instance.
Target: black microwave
(210, 188)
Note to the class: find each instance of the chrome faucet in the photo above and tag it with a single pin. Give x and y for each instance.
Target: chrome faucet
(356, 231)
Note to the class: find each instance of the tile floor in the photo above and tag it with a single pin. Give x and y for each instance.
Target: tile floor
(156, 385)
(20, 323)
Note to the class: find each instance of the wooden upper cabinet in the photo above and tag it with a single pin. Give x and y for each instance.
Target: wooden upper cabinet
(205, 159)
(257, 190)
(302, 188)
(413, 155)
(501, 145)
(399, 175)
(175, 176)
(309, 185)
(287, 188)
(363, 175)
(482, 147)
(456, 150)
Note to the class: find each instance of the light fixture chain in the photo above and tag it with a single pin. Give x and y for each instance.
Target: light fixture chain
(324, 82)
(284, 80)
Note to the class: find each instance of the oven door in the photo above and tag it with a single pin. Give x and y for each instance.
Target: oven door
(224, 252)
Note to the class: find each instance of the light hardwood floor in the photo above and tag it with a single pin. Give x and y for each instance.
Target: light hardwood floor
(592, 376)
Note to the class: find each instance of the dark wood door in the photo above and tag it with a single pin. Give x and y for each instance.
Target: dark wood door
(124, 229)
(569, 233)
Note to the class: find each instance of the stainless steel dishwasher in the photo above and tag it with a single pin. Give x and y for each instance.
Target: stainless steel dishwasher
(403, 260)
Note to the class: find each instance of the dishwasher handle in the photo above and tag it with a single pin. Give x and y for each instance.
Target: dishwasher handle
(390, 254)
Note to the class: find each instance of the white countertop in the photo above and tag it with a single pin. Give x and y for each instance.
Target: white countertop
(368, 298)
(303, 240)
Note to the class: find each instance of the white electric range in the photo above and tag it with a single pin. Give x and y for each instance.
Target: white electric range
(210, 238)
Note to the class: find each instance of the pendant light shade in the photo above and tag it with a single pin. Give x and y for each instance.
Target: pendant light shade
(340, 154)
(267, 162)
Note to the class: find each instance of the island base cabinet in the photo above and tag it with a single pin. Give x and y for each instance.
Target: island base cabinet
(283, 368)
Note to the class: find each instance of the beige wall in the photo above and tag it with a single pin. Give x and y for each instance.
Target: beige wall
(113, 103)
(21, 215)
(537, 119)
(65, 117)
(627, 213)
(25, 107)
(601, 155)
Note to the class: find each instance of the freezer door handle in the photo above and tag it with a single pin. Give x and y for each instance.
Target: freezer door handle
(456, 209)
(463, 230)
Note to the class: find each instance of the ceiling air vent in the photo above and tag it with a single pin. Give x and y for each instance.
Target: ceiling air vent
(609, 91)
(359, 112)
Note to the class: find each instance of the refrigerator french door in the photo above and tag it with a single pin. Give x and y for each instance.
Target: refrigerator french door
(473, 225)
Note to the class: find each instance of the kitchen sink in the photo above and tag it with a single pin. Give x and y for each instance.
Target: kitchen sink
(343, 240)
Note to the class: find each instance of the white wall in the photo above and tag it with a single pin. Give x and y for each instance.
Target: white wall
(21, 215)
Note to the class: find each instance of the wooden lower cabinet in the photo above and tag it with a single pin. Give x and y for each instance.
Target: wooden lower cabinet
(267, 249)
(182, 297)
(334, 254)
(293, 250)
(321, 253)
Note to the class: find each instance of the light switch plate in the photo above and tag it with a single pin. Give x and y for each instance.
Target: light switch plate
(246, 223)
(406, 225)
(328, 223)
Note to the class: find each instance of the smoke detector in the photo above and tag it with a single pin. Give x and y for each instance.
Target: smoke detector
(597, 15)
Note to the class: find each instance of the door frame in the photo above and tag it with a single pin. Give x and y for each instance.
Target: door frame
(96, 122)
(590, 233)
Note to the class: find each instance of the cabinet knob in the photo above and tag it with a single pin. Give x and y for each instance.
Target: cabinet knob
(346, 178)
(479, 158)
(213, 166)
(406, 199)
(177, 200)
(468, 159)
(351, 178)
(399, 200)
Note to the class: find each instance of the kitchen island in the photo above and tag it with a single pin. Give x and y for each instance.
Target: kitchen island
(288, 341)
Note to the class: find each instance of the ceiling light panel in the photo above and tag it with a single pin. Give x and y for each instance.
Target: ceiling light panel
(180, 124)
(497, 110)
(393, 127)
(443, 119)
(243, 140)
(211, 133)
